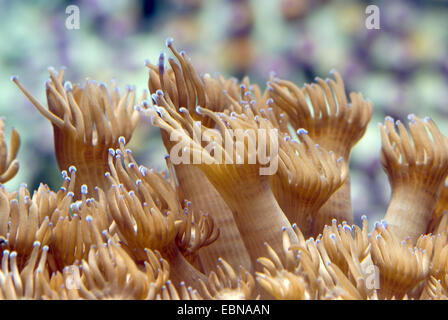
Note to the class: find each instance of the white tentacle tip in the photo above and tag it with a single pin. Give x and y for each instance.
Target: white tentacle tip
(169, 41)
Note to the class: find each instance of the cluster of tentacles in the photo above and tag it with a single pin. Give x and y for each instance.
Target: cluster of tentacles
(255, 204)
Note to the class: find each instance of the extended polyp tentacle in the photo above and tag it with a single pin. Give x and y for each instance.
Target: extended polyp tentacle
(86, 123)
(416, 173)
(307, 177)
(9, 165)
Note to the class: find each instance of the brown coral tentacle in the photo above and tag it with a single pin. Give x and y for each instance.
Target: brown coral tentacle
(416, 173)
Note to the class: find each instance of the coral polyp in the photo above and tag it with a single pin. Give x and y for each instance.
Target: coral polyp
(255, 202)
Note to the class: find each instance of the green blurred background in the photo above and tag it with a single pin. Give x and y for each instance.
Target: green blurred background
(402, 67)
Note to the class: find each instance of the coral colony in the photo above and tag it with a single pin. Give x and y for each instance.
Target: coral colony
(255, 203)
